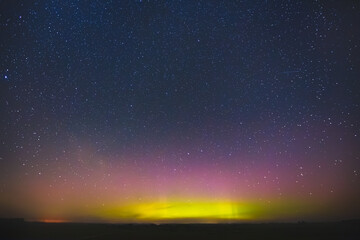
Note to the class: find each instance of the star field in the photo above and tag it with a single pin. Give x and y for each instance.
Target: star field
(117, 110)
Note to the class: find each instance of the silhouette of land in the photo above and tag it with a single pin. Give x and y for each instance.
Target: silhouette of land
(19, 229)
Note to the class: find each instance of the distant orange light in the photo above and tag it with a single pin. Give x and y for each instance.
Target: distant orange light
(53, 221)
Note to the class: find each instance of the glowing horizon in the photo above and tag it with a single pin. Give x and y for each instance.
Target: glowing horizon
(198, 211)
(143, 192)
(180, 212)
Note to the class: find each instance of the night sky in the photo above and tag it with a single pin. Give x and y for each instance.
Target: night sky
(180, 111)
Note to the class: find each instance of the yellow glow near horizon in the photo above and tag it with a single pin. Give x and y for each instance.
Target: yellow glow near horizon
(188, 211)
(204, 211)
(181, 210)
(198, 211)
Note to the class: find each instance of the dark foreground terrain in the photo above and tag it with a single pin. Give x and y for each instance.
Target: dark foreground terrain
(17, 229)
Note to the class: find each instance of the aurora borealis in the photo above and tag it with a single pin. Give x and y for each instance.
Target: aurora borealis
(179, 111)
